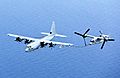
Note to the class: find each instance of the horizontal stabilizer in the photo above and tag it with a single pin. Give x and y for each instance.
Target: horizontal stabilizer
(44, 33)
(60, 35)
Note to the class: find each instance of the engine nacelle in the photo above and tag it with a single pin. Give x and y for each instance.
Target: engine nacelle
(28, 41)
(18, 39)
(43, 44)
(51, 44)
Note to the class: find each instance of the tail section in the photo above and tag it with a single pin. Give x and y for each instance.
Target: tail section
(53, 31)
(59, 35)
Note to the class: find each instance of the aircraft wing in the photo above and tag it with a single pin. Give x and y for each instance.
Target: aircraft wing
(22, 37)
(59, 43)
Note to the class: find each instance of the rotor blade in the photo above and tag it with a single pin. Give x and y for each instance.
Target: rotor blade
(85, 42)
(103, 44)
(78, 33)
(100, 32)
(111, 39)
(86, 31)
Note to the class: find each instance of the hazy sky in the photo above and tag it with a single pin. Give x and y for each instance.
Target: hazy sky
(31, 17)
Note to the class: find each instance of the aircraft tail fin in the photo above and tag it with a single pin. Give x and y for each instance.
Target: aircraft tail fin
(53, 31)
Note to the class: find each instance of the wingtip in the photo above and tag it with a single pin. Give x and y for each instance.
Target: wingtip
(75, 32)
(8, 34)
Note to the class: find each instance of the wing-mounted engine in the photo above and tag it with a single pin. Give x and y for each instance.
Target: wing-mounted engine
(43, 44)
(51, 45)
(18, 39)
(27, 41)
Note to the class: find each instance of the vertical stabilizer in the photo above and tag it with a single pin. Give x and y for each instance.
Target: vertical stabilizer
(53, 30)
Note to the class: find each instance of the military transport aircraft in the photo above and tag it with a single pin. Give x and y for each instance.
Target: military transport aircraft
(95, 40)
(35, 43)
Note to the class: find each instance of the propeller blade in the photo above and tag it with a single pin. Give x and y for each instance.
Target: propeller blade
(85, 42)
(83, 35)
(111, 39)
(78, 33)
(86, 31)
(103, 44)
(100, 32)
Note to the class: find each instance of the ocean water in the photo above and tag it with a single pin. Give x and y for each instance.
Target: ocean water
(31, 17)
